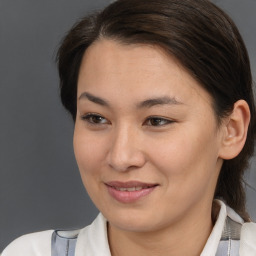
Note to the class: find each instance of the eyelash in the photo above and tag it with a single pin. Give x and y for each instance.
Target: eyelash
(89, 118)
(163, 121)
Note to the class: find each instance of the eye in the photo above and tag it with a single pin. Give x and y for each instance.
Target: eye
(157, 121)
(94, 119)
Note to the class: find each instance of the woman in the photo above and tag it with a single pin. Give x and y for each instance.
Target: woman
(161, 95)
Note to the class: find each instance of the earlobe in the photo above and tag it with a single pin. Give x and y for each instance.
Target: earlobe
(235, 130)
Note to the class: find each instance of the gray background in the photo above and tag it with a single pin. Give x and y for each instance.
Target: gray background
(40, 187)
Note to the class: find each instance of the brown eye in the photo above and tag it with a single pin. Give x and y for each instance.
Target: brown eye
(94, 119)
(157, 121)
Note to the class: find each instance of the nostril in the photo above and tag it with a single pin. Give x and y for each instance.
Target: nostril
(125, 162)
(124, 153)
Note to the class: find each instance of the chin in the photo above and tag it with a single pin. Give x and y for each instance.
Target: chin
(131, 225)
(133, 221)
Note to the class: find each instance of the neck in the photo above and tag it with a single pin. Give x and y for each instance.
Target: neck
(185, 237)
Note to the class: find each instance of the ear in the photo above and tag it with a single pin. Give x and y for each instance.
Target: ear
(235, 129)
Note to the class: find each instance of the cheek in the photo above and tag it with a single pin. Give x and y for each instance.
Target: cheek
(89, 152)
(188, 167)
(189, 155)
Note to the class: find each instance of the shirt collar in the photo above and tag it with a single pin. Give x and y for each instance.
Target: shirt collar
(93, 239)
(215, 236)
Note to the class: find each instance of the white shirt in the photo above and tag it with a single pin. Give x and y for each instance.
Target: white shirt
(93, 241)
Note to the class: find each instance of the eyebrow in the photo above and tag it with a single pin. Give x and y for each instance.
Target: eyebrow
(165, 100)
(95, 99)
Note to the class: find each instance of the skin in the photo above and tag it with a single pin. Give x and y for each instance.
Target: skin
(180, 149)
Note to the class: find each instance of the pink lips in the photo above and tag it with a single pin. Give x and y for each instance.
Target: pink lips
(128, 192)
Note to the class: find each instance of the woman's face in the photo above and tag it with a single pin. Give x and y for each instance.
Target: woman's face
(146, 139)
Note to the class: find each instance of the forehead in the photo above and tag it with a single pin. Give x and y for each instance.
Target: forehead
(137, 70)
(104, 55)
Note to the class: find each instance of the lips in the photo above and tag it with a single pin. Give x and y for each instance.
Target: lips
(130, 189)
(128, 192)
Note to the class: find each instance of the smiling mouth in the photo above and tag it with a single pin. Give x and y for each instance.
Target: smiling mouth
(128, 192)
(131, 189)
(130, 185)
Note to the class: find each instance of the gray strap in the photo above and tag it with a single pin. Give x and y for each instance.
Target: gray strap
(228, 248)
(64, 243)
(230, 239)
(232, 230)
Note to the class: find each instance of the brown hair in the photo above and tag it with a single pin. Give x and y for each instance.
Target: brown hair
(205, 41)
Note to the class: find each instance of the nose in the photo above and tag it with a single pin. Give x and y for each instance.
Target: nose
(125, 152)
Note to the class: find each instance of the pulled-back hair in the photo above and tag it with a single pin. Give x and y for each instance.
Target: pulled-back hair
(201, 37)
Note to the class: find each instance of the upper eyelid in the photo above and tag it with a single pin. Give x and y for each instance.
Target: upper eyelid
(166, 121)
(169, 120)
(160, 117)
(149, 117)
(88, 115)
(91, 114)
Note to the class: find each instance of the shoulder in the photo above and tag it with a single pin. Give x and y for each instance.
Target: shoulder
(247, 234)
(31, 244)
(236, 231)
(248, 239)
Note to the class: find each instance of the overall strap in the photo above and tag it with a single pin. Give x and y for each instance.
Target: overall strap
(64, 243)
(230, 239)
